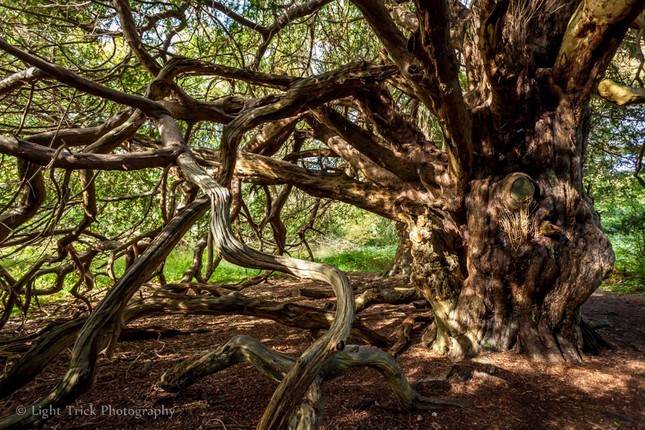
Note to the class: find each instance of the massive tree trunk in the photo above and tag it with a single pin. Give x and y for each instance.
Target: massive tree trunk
(514, 247)
(528, 239)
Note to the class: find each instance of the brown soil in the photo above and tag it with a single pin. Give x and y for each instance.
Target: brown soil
(507, 390)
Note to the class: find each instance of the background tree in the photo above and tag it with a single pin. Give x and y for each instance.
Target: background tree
(467, 123)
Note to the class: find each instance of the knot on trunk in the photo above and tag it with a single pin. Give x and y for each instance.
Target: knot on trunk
(518, 189)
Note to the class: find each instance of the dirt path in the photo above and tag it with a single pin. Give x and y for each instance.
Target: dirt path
(509, 392)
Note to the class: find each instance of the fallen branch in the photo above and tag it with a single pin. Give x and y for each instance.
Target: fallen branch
(392, 296)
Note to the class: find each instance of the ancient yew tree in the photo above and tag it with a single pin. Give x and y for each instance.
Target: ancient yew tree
(465, 122)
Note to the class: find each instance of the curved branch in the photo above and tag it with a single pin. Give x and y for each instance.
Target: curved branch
(590, 41)
(289, 314)
(65, 159)
(131, 34)
(295, 384)
(147, 106)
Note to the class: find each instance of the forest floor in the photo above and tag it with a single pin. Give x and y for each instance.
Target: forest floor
(508, 391)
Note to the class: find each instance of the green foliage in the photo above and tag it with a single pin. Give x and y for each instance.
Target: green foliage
(619, 197)
(357, 226)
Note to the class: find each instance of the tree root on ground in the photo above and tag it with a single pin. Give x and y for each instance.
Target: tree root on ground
(370, 297)
(50, 343)
(393, 296)
(275, 365)
(401, 337)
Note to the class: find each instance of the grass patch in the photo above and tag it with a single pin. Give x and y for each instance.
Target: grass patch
(624, 283)
(365, 259)
(376, 259)
(180, 260)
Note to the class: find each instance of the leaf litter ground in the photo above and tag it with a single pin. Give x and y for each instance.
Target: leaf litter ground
(508, 391)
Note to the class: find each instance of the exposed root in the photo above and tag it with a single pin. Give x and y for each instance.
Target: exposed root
(401, 336)
(394, 296)
(371, 296)
(290, 314)
(52, 342)
(275, 365)
(239, 349)
(592, 342)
